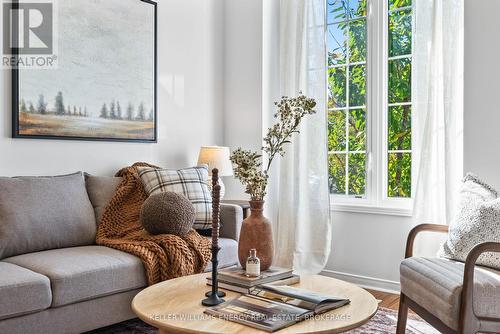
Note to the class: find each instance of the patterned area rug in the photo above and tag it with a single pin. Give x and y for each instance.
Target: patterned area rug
(384, 321)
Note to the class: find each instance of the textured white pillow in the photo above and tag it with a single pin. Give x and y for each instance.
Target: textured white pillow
(477, 221)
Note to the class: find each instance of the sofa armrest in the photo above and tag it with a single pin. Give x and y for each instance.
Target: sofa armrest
(422, 228)
(231, 217)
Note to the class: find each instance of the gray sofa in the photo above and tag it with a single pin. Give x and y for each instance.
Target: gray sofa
(53, 278)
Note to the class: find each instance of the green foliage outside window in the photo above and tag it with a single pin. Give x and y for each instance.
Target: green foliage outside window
(399, 175)
(395, 4)
(337, 163)
(357, 173)
(400, 80)
(357, 85)
(337, 86)
(400, 128)
(399, 93)
(336, 131)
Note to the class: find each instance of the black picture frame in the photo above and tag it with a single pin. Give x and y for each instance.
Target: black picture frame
(16, 98)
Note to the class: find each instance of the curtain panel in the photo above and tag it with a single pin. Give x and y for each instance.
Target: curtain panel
(302, 224)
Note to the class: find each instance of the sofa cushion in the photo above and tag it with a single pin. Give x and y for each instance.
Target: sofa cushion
(82, 273)
(191, 182)
(231, 218)
(101, 189)
(22, 291)
(436, 285)
(228, 254)
(40, 213)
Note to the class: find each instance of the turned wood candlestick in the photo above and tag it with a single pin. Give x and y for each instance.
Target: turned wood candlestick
(214, 295)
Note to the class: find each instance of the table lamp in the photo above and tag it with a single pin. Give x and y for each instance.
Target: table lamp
(216, 157)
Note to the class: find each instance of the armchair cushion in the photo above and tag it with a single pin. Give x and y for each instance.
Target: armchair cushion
(477, 221)
(436, 285)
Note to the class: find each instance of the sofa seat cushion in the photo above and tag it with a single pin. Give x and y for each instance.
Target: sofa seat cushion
(82, 273)
(436, 285)
(22, 291)
(228, 254)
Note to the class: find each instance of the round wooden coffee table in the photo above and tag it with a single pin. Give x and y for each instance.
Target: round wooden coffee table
(174, 306)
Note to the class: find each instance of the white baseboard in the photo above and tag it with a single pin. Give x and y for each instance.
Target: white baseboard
(365, 281)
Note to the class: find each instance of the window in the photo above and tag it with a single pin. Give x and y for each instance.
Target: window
(369, 46)
(399, 99)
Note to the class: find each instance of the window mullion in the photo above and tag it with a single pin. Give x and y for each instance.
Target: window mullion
(384, 86)
(370, 101)
(377, 95)
(347, 89)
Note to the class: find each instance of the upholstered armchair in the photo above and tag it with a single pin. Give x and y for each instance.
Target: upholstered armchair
(452, 296)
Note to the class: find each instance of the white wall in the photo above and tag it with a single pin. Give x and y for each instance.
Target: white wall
(242, 80)
(190, 94)
(368, 245)
(482, 86)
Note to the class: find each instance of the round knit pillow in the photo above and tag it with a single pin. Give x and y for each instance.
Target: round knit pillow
(167, 213)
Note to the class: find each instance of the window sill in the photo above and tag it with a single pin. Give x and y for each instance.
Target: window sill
(372, 209)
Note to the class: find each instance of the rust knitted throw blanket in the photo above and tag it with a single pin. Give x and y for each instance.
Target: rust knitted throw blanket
(164, 256)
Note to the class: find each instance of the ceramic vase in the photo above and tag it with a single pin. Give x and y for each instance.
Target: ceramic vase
(256, 232)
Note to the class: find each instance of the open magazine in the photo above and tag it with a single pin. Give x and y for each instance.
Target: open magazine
(271, 308)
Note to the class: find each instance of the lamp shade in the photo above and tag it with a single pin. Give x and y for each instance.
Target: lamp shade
(216, 157)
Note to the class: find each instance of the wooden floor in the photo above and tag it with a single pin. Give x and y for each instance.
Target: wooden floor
(388, 300)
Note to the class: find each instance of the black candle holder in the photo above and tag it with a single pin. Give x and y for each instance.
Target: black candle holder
(214, 296)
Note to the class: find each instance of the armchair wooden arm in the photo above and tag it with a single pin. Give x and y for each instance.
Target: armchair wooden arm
(466, 308)
(422, 228)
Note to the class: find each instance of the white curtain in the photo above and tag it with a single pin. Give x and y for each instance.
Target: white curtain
(302, 226)
(438, 108)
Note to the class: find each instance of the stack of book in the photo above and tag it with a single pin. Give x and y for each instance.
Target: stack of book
(235, 279)
(272, 307)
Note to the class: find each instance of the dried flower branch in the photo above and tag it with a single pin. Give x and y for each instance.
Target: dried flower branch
(289, 115)
(247, 165)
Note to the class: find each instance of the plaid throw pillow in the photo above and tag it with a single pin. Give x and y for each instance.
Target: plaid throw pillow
(190, 182)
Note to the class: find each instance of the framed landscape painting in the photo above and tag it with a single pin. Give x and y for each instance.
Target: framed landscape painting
(104, 85)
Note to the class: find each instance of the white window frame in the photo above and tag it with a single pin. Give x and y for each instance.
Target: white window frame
(375, 199)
